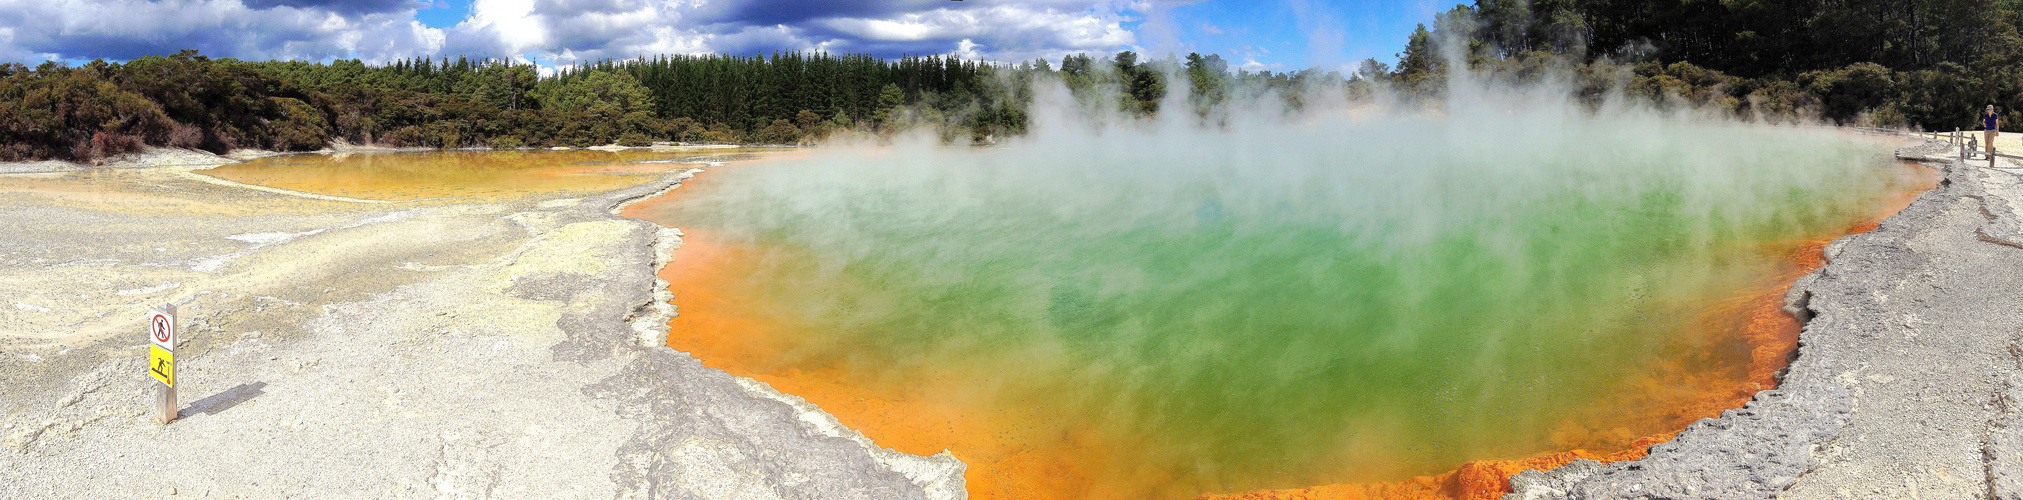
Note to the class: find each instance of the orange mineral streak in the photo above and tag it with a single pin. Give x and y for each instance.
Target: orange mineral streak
(454, 176)
(1671, 397)
(716, 326)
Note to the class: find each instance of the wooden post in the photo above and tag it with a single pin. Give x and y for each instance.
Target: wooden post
(166, 400)
(161, 359)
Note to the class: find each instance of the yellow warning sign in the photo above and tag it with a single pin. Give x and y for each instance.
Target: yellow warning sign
(162, 364)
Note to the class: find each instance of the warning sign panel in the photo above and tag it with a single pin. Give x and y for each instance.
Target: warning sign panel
(162, 365)
(162, 346)
(162, 329)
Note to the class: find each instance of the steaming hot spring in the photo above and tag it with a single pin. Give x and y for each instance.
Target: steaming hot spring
(1123, 309)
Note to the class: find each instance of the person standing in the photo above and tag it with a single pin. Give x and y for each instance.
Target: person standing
(1992, 123)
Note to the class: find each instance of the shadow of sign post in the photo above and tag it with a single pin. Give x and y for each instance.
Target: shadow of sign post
(222, 401)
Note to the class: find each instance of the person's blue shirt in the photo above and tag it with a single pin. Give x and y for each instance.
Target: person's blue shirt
(1989, 119)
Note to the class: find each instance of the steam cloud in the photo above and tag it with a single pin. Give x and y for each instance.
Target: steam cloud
(1273, 298)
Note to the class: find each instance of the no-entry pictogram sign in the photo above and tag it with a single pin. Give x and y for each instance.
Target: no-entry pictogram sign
(163, 329)
(162, 346)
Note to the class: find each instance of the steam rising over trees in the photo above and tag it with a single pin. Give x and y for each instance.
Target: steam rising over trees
(1923, 63)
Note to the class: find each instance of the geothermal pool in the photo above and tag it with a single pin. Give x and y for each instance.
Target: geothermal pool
(1162, 311)
(1167, 311)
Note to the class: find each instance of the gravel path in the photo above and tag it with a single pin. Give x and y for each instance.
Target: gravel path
(362, 350)
(1908, 381)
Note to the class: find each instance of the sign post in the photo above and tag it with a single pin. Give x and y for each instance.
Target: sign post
(162, 357)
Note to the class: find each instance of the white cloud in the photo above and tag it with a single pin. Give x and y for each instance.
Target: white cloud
(121, 29)
(559, 31)
(7, 50)
(502, 26)
(393, 40)
(668, 41)
(1015, 32)
(908, 30)
(570, 31)
(1252, 65)
(967, 50)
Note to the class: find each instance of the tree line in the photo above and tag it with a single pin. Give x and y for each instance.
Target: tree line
(1930, 64)
(1919, 63)
(188, 100)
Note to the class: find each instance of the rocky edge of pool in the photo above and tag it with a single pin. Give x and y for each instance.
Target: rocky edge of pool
(1908, 380)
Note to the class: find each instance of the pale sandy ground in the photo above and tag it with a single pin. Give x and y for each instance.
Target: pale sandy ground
(340, 348)
(1908, 381)
(2005, 143)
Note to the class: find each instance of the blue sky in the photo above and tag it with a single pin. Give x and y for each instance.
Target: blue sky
(1287, 35)
(1276, 35)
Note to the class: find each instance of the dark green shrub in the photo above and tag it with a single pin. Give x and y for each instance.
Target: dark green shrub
(635, 140)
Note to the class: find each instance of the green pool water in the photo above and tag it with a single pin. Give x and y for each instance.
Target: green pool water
(1279, 305)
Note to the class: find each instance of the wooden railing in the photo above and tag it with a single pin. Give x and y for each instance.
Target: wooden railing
(1967, 143)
